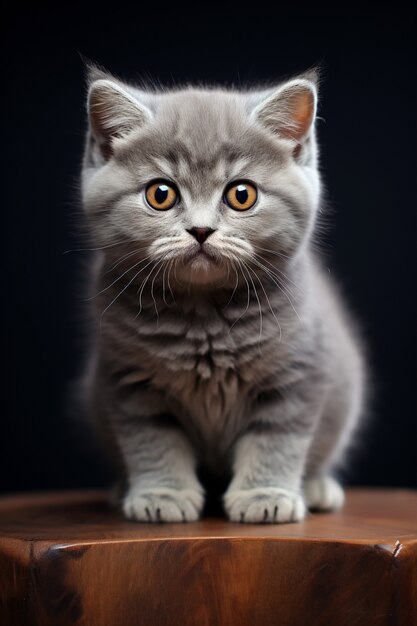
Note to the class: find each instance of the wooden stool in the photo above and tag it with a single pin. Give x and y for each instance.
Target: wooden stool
(67, 559)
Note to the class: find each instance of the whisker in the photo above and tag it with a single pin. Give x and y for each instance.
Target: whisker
(117, 279)
(124, 257)
(144, 268)
(259, 306)
(248, 302)
(142, 287)
(281, 287)
(272, 272)
(175, 270)
(280, 271)
(118, 295)
(234, 290)
(111, 245)
(152, 284)
(228, 271)
(274, 252)
(171, 263)
(269, 304)
(163, 283)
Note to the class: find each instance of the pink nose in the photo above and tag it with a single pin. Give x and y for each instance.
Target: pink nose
(200, 234)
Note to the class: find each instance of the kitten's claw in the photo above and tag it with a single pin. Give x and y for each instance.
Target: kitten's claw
(267, 505)
(163, 505)
(323, 493)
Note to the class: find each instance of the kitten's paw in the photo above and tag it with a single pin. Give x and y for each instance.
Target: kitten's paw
(264, 505)
(163, 505)
(323, 493)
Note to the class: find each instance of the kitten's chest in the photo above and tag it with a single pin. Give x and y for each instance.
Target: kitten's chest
(209, 363)
(196, 354)
(207, 347)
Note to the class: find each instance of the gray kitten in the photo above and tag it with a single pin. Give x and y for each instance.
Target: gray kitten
(221, 342)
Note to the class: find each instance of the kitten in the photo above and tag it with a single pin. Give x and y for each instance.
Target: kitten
(221, 342)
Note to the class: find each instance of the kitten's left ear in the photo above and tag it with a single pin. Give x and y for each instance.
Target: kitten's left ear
(290, 111)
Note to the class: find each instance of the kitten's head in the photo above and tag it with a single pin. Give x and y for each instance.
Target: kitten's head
(206, 179)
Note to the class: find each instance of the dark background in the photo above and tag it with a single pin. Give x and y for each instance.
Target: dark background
(368, 163)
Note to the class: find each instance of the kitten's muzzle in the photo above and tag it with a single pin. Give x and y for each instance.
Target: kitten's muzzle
(200, 233)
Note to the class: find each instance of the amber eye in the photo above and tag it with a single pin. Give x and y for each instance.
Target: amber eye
(241, 196)
(161, 195)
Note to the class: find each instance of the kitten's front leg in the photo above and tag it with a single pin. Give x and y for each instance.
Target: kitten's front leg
(144, 437)
(163, 486)
(158, 459)
(269, 460)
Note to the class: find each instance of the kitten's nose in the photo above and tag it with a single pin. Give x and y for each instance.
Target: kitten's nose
(200, 234)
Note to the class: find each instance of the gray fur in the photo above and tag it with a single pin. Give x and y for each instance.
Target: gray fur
(247, 365)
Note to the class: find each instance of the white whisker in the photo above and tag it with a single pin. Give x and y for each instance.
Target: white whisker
(248, 302)
(124, 257)
(117, 279)
(275, 280)
(143, 284)
(274, 252)
(152, 284)
(171, 263)
(111, 245)
(119, 294)
(163, 283)
(280, 272)
(234, 290)
(269, 304)
(259, 306)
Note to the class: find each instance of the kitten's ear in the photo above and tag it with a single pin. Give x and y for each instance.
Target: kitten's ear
(290, 110)
(113, 112)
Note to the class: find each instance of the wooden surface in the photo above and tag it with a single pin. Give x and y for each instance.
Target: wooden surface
(67, 559)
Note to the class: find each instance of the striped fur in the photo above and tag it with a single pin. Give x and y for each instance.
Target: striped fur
(245, 362)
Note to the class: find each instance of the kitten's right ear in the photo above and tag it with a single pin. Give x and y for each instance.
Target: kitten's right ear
(113, 113)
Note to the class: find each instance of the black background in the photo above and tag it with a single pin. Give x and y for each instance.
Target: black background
(368, 163)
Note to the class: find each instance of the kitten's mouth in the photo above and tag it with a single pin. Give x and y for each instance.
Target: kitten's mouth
(201, 265)
(203, 253)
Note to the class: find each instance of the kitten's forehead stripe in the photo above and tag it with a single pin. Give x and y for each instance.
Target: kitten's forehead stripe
(196, 172)
(199, 139)
(164, 167)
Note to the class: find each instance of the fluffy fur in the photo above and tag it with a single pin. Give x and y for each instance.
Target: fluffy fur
(241, 360)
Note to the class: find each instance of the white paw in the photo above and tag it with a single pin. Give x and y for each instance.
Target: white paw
(323, 493)
(163, 505)
(264, 505)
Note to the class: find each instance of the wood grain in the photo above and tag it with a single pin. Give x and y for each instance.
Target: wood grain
(67, 559)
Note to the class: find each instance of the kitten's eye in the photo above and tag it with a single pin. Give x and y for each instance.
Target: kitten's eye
(241, 196)
(161, 195)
